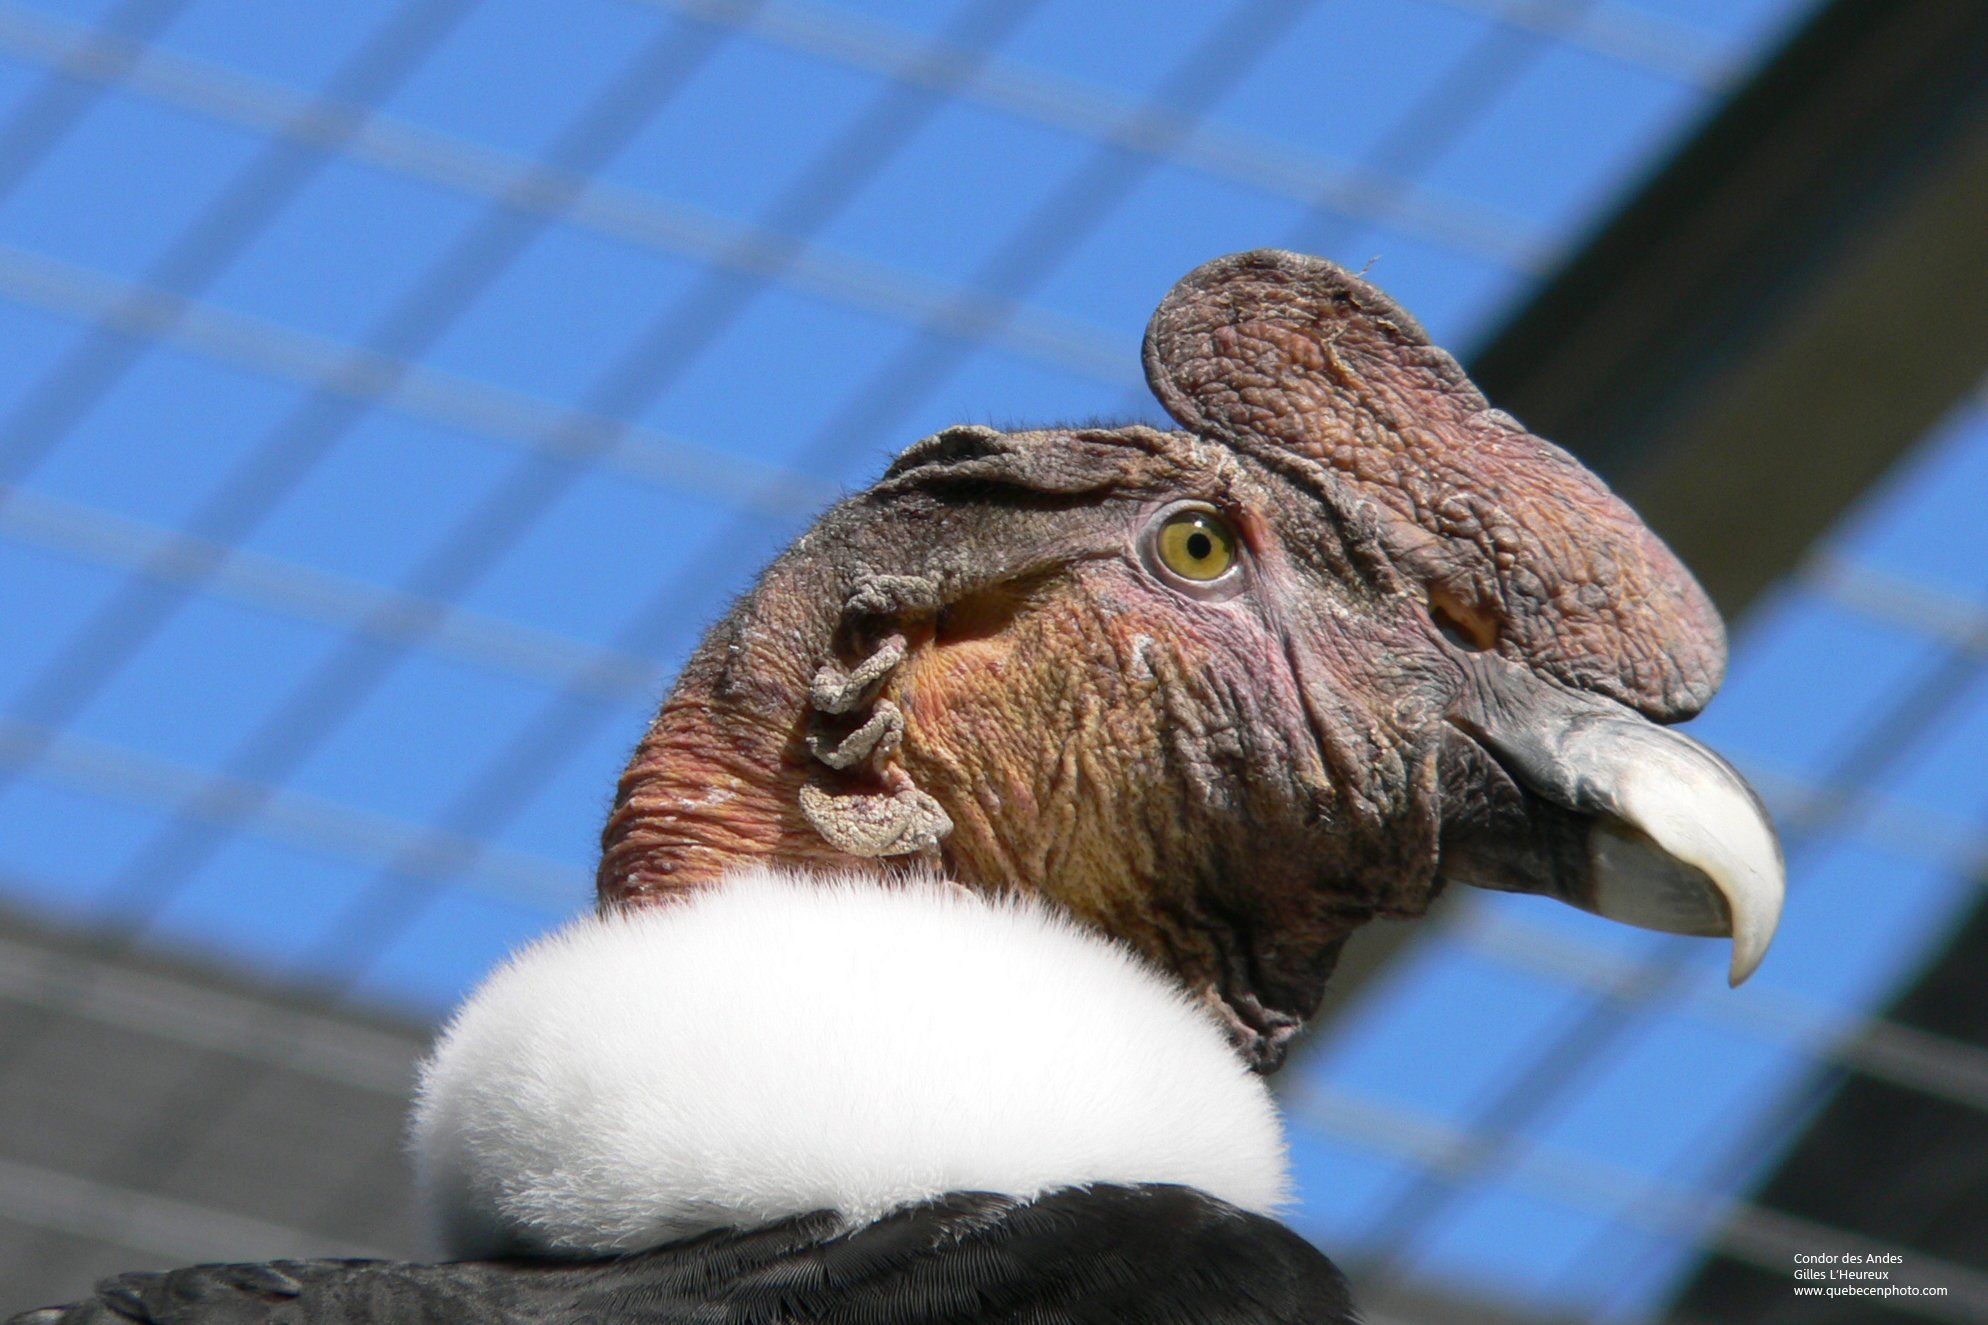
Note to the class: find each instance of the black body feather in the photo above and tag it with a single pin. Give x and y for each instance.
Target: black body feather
(1149, 1255)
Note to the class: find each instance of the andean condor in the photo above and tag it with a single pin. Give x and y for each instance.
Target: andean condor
(997, 842)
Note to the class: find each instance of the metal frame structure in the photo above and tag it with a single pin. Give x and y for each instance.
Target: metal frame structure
(1828, 214)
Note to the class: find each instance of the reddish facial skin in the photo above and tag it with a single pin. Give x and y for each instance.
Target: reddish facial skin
(1230, 778)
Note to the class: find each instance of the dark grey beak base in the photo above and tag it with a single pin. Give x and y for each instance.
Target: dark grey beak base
(1666, 834)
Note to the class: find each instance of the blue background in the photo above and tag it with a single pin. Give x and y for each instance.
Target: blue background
(394, 390)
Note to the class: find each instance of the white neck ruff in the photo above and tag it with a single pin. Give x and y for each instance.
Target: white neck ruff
(780, 1044)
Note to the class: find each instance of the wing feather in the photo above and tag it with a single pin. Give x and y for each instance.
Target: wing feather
(1151, 1255)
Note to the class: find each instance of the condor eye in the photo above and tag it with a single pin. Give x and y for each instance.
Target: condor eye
(1195, 544)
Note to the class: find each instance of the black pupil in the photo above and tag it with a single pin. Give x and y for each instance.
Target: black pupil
(1200, 546)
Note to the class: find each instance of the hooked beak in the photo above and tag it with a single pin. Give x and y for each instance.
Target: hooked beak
(1628, 819)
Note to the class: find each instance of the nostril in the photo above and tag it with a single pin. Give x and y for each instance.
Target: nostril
(1461, 623)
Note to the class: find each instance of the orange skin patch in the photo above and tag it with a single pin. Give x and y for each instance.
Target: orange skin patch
(1045, 748)
(1104, 747)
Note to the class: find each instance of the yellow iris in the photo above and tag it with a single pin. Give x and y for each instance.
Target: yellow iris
(1197, 545)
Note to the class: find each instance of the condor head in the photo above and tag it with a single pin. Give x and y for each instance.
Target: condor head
(1226, 692)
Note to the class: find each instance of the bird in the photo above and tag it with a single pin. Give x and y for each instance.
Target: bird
(995, 847)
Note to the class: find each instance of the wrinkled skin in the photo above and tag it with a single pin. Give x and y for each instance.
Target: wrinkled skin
(977, 662)
(1232, 783)
(1298, 362)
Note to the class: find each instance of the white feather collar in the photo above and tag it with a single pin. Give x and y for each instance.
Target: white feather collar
(782, 1044)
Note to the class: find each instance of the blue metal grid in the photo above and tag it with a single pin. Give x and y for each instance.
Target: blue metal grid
(396, 389)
